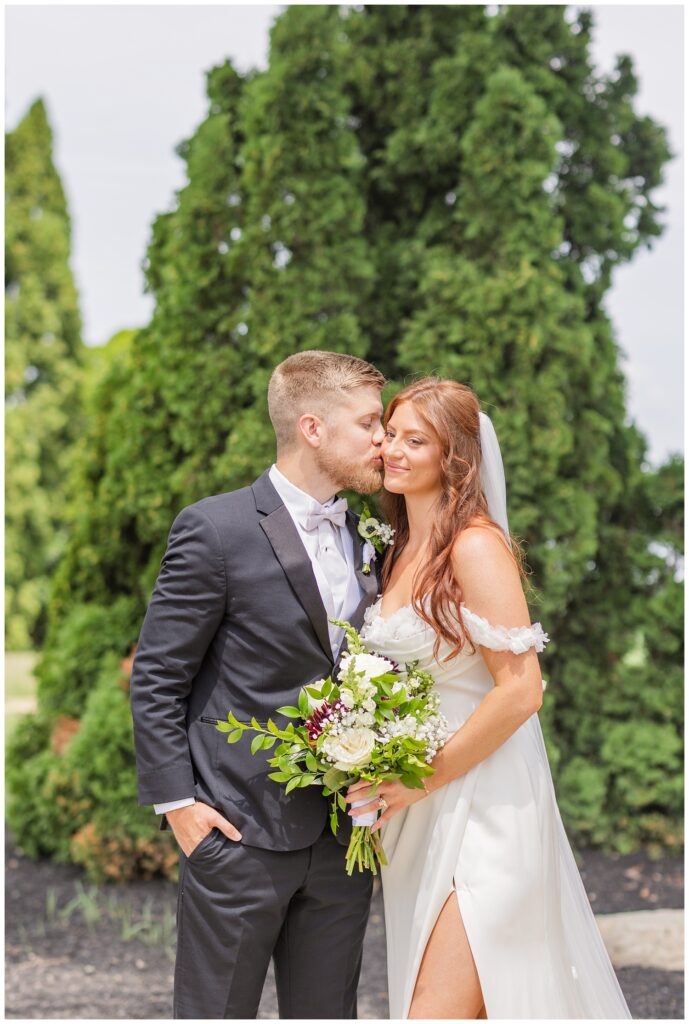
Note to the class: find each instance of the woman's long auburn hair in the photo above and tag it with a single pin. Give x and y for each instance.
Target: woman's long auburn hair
(451, 410)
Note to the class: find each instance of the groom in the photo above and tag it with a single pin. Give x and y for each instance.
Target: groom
(239, 620)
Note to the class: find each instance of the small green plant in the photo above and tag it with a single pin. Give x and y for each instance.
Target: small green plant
(95, 906)
(86, 902)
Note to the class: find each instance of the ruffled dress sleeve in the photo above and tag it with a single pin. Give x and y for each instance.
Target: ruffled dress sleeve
(518, 639)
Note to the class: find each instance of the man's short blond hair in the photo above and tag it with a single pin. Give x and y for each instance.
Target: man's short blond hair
(309, 382)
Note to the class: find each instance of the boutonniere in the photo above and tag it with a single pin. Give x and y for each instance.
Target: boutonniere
(376, 535)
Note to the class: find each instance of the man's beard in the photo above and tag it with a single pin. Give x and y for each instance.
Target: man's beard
(349, 475)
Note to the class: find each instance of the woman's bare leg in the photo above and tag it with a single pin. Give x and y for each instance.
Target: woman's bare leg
(447, 986)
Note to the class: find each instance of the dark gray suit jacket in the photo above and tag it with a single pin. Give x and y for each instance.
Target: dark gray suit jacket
(235, 622)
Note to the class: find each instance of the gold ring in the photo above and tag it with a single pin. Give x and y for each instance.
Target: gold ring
(382, 803)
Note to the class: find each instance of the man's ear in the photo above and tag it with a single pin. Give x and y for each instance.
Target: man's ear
(311, 429)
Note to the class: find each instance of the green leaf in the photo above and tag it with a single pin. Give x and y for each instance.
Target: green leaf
(234, 736)
(278, 776)
(412, 781)
(223, 726)
(288, 711)
(292, 784)
(256, 744)
(334, 778)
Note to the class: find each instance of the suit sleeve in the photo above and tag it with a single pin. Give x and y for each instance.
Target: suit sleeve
(184, 613)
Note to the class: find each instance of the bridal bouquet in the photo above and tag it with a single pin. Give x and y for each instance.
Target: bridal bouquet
(376, 722)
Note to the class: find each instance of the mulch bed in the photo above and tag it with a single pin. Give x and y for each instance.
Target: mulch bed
(77, 950)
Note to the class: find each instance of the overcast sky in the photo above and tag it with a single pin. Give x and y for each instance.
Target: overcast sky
(124, 84)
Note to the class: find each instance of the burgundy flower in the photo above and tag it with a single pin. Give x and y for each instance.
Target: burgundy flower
(319, 718)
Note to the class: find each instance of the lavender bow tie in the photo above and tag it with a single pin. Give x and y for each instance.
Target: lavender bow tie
(335, 513)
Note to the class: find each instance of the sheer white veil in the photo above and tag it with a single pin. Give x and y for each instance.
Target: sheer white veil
(493, 474)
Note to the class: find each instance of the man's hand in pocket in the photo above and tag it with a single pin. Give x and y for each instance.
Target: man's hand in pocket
(192, 823)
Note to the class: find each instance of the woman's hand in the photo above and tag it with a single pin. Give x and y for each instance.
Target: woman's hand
(395, 794)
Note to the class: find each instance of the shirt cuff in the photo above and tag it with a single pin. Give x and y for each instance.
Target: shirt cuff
(172, 805)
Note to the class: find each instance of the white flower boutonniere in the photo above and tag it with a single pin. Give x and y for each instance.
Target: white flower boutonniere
(376, 535)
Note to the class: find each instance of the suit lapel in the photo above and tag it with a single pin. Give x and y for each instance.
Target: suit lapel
(284, 538)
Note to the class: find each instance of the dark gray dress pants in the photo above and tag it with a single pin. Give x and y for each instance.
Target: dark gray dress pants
(238, 905)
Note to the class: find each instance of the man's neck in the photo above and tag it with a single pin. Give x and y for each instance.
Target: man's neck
(307, 477)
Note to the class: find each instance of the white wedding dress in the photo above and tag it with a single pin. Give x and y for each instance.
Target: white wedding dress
(496, 835)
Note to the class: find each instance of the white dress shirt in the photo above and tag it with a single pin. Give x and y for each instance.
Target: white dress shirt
(331, 551)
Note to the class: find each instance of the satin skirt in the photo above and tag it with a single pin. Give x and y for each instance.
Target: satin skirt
(495, 835)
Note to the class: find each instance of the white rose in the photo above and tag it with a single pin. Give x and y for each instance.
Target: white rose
(370, 705)
(347, 697)
(351, 749)
(369, 665)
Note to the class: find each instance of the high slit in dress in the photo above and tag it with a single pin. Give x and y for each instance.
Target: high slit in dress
(495, 836)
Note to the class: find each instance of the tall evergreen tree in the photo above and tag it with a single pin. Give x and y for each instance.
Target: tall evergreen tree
(42, 352)
(531, 178)
(302, 178)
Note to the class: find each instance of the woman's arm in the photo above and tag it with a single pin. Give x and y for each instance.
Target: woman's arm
(491, 587)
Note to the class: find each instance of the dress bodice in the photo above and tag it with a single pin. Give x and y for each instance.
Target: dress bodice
(405, 625)
(462, 681)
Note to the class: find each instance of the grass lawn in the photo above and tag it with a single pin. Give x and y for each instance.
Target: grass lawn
(20, 686)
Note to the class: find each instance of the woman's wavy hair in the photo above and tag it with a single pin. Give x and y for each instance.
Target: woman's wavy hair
(451, 411)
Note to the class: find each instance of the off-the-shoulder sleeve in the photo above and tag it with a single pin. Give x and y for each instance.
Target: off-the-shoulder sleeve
(518, 639)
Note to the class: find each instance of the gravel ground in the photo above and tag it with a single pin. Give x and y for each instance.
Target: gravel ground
(77, 950)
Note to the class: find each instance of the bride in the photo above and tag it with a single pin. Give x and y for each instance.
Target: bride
(486, 914)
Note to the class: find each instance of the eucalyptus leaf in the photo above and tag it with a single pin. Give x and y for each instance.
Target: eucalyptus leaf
(334, 778)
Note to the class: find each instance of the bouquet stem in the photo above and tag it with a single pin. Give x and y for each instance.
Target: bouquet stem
(365, 850)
